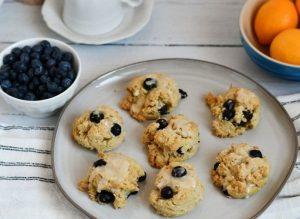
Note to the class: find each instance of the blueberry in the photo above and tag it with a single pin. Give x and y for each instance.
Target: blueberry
(47, 51)
(179, 151)
(30, 73)
(23, 78)
(47, 95)
(31, 86)
(225, 192)
(42, 88)
(67, 56)
(216, 165)
(105, 196)
(12, 92)
(37, 48)
(50, 62)
(16, 51)
(35, 55)
(52, 71)
(163, 110)
(179, 171)
(99, 163)
(150, 83)
(38, 70)
(162, 124)
(96, 116)
(36, 63)
(8, 59)
(26, 49)
(13, 75)
(228, 114)
(66, 83)
(229, 105)
(166, 192)
(19, 67)
(183, 94)
(132, 193)
(30, 96)
(248, 115)
(45, 44)
(143, 177)
(23, 89)
(64, 66)
(52, 87)
(63, 74)
(4, 75)
(70, 75)
(56, 53)
(6, 84)
(255, 153)
(57, 80)
(35, 81)
(116, 129)
(24, 57)
(44, 79)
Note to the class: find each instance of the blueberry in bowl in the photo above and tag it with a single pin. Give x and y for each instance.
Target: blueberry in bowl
(38, 76)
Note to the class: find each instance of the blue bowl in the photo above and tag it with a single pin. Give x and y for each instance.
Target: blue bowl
(258, 53)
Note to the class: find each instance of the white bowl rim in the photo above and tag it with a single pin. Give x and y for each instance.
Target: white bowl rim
(38, 39)
(253, 47)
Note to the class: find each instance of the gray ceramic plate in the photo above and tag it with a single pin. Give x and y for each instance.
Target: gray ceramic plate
(275, 135)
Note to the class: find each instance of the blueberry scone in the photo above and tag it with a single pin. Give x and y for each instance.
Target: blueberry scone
(234, 111)
(101, 129)
(112, 179)
(174, 139)
(150, 96)
(240, 171)
(177, 190)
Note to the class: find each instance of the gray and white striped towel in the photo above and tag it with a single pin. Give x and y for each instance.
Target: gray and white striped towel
(27, 186)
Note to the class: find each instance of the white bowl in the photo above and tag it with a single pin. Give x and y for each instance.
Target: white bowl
(47, 107)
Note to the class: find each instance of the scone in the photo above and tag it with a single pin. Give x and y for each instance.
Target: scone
(150, 96)
(112, 179)
(174, 139)
(177, 190)
(234, 111)
(101, 129)
(240, 171)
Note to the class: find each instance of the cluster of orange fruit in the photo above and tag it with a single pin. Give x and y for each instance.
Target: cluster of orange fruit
(276, 25)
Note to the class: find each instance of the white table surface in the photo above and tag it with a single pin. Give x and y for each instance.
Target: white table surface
(199, 29)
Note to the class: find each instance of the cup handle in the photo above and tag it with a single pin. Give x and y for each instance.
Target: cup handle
(133, 3)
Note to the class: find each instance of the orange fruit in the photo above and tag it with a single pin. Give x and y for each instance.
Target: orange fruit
(273, 17)
(286, 47)
(298, 5)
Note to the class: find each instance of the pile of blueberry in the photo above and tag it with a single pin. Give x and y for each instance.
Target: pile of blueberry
(38, 72)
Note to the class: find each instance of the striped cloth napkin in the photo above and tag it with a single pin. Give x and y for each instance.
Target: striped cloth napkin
(27, 186)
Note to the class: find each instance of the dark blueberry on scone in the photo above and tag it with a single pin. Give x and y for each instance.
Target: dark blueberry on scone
(162, 124)
(179, 171)
(150, 83)
(116, 129)
(105, 196)
(99, 129)
(240, 171)
(112, 179)
(99, 163)
(176, 186)
(149, 96)
(96, 116)
(142, 178)
(179, 150)
(234, 111)
(183, 94)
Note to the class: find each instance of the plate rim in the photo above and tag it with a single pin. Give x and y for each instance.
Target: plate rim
(111, 72)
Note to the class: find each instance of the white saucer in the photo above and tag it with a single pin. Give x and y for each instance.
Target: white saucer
(134, 20)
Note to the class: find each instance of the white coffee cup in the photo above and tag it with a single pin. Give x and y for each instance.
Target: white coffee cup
(95, 17)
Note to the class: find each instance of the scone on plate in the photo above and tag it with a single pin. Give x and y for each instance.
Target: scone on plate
(240, 171)
(174, 139)
(177, 190)
(150, 96)
(101, 129)
(112, 179)
(234, 111)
